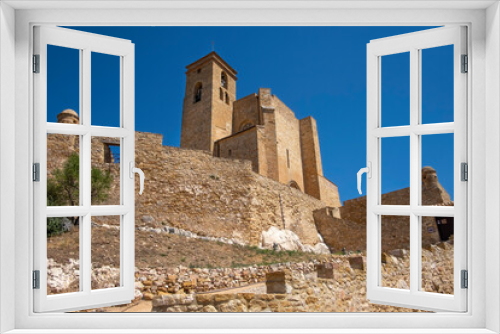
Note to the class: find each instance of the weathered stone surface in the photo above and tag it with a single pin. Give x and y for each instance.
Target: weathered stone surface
(346, 293)
(358, 262)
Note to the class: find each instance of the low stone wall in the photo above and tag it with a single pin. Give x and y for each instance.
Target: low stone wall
(183, 280)
(337, 286)
(291, 291)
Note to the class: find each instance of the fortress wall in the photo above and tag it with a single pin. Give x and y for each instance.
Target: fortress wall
(194, 191)
(245, 110)
(338, 233)
(242, 145)
(276, 204)
(329, 192)
(288, 134)
(311, 157)
(269, 140)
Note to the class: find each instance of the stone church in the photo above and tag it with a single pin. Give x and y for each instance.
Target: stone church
(258, 127)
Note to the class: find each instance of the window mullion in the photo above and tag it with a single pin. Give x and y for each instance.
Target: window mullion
(414, 169)
(85, 172)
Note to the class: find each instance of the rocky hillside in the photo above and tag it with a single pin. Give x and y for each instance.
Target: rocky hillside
(168, 250)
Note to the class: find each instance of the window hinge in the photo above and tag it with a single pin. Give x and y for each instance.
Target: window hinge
(36, 172)
(465, 64)
(464, 170)
(36, 63)
(465, 279)
(36, 279)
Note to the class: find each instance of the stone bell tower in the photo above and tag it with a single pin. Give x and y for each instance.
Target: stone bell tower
(207, 114)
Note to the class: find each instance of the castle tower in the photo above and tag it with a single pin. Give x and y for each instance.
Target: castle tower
(207, 114)
(68, 116)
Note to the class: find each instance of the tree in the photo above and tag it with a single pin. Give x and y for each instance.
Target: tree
(64, 189)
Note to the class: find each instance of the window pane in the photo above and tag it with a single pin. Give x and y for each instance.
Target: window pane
(437, 171)
(63, 84)
(63, 255)
(105, 171)
(395, 170)
(437, 84)
(105, 90)
(437, 254)
(105, 252)
(63, 170)
(395, 232)
(395, 89)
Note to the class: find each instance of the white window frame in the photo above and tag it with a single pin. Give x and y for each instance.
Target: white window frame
(483, 20)
(85, 43)
(414, 43)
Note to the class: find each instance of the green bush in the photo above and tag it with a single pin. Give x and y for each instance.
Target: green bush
(63, 189)
(54, 226)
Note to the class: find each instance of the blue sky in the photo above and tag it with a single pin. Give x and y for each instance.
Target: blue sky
(318, 71)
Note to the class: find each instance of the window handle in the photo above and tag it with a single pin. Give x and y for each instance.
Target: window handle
(368, 171)
(134, 170)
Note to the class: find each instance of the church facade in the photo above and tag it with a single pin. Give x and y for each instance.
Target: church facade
(258, 127)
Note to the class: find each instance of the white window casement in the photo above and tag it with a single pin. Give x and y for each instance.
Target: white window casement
(415, 44)
(472, 310)
(85, 44)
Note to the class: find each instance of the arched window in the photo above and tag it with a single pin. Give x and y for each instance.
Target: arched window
(293, 184)
(245, 125)
(223, 80)
(197, 92)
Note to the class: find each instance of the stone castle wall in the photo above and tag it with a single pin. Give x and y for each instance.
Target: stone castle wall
(223, 198)
(243, 145)
(194, 191)
(329, 192)
(350, 235)
(345, 227)
(288, 144)
(245, 111)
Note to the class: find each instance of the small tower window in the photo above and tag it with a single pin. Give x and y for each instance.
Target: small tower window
(221, 91)
(197, 92)
(111, 153)
(229, 153)
(227, 98)
(287, 158)
(223, 80)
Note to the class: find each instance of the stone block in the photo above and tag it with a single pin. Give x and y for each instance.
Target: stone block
(358, 262)
(279, 281)
(326, 270)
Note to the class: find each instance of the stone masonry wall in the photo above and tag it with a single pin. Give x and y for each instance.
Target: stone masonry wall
(288, 144)
(242, 145)
(337, 286)
(329, 192)
(345, 234)
(245, 111)
(194, 191)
